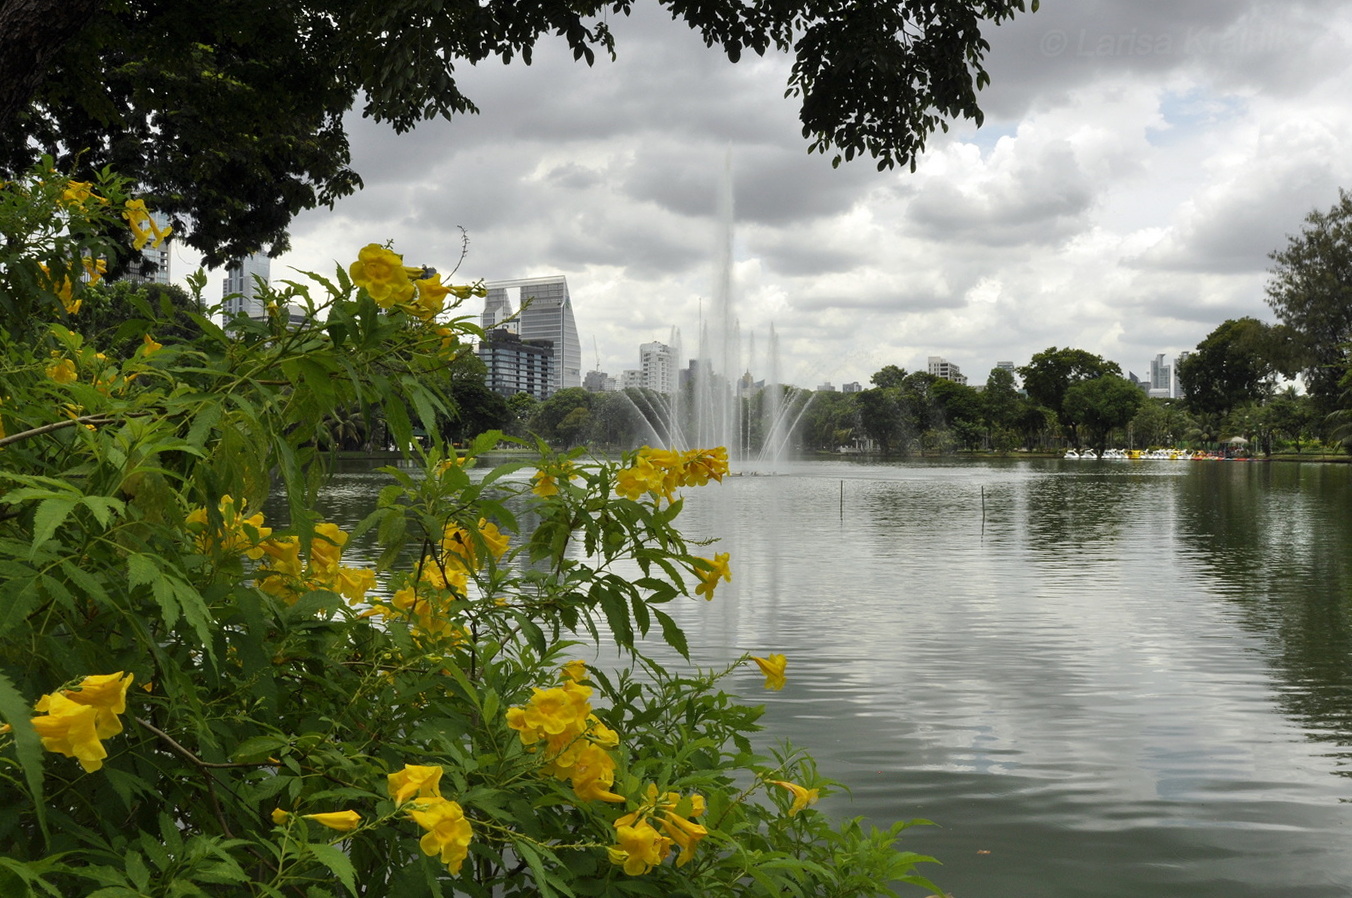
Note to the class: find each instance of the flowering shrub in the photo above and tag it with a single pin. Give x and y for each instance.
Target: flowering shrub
(200, 698)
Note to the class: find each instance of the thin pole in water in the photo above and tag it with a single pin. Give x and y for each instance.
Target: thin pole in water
(842, 500)
(983, 509)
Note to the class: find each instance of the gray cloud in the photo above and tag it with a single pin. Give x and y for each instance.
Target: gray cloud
(1139, 162)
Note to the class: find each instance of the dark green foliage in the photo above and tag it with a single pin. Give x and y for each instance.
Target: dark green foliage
(1101, 404)
(1233, 366)
(1050, 374)
(1311, 292)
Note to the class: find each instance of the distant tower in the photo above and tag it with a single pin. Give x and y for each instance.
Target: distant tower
(497, 309)
(240, 293)
(1176, 388)
(941, 367)
(1161, 378)
(657, 362)
(546, 314)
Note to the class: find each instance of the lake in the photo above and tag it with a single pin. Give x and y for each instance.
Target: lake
(1100, 678)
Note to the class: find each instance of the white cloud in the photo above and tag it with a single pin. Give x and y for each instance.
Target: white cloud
(1139, 162)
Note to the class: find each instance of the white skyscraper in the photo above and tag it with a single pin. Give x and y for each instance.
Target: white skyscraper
(942, 367)
(657, 362)
(546, 314)
(240, 294)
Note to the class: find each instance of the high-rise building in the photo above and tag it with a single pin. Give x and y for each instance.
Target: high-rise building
(1178, 363)
(598, 382)
(240, 293)
(497, 309)
(1161, 378)
(546, 313)
(515, 365)
(657, 362)
(941, 367)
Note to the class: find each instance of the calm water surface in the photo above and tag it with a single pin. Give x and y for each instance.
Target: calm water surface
(1099, 678)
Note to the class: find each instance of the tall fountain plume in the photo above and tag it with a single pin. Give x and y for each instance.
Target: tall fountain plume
(718, 406)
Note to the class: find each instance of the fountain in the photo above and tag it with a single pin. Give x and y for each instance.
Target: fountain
(715, 405)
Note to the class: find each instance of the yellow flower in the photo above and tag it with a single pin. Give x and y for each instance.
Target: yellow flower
(593, 773)
(149, 346)
(143, 226)
(339, 821)
(77, 192)
(70, 728)
(415, 781)
(459, 545)
(381, 272)
(448, 832)
(685, 833)
(95, 269)
(641, 477)
(355, 582)
(107, 695)
(431, 298)
(544, 485)
(801, 797)
(559, 709)
(326, 550)
(238, 534)
(575, 670)
(639, 848)
(279, 816)
(708, 577)
(63, 372)
(773, 668)
(702, 465)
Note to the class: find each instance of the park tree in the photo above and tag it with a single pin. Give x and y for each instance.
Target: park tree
(881, 417)
(962, 411)
(830, 420)
(172, 93)
(1050, 374)
(1160, 423)
(1101, 404)
(1233, 366)
(1310, 290)
(558, 419)
(1000, 404)
(888, 376)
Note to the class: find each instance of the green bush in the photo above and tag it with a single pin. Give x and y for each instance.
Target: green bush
(201, 701)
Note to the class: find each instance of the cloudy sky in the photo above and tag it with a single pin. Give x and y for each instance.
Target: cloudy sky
(1139, 160)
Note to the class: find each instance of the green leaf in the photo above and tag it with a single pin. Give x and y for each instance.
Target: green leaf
(17, 711)
(51, 514)
(337, 862)
(672, 634)
(20, 601)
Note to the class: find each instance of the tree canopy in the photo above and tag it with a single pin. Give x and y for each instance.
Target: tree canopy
(230, 113)
(1050, 374)
(1102, 403)
(1231, 367)
(1311, 292)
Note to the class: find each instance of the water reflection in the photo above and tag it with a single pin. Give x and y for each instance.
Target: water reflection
(1103, 679)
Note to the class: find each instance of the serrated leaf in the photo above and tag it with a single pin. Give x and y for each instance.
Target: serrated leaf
(16, 710)
(338, 863)
(51, 513)
(21, 601)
